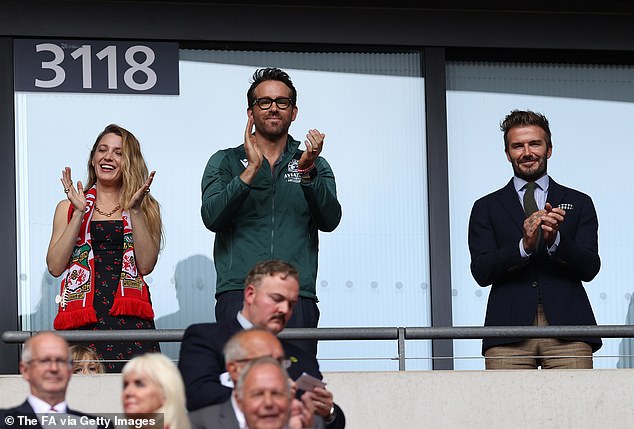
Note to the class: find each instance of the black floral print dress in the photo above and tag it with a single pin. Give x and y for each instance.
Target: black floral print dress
(107, 246)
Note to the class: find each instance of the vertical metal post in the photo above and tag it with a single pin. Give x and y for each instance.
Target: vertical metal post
(401, 349)
(8, 262)
(438, 189)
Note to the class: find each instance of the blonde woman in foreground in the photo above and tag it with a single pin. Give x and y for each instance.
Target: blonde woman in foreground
(153, 389)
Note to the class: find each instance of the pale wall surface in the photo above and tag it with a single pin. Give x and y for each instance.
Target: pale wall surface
(433, 399)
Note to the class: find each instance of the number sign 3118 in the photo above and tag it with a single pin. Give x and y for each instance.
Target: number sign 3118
(97, 66)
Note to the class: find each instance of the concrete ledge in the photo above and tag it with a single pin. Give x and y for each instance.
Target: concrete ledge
(432, 399)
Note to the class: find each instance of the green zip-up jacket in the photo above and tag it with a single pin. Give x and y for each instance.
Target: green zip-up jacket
(276, 217)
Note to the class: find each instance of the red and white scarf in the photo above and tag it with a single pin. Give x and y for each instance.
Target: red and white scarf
(78, 284)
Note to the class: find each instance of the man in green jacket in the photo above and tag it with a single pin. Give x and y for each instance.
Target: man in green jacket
(267, 199)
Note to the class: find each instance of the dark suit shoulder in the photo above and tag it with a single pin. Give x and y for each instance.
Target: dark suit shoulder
(212, 328)
(214, 335)
(300, 361)
(198, 328)
(24, 407)
(567, 191)
(9, 417)
(202, 362)
(497, 194)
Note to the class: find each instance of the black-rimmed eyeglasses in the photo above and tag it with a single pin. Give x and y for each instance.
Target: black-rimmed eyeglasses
(265, 103)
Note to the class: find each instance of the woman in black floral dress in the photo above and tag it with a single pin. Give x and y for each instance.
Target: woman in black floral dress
(106, 237)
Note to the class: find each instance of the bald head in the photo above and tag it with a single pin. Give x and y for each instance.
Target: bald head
(248, 345)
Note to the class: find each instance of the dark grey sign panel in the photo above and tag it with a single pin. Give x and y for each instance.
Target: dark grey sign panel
(96, 66)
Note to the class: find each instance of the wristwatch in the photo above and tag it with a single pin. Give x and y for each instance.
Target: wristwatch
(331, 415)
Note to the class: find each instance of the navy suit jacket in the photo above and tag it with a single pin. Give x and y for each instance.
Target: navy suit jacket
(25, 409)
(495, 230)
(202, 361)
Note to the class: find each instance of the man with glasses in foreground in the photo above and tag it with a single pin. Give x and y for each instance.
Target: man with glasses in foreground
(243, 348)
(270, 293)
(267, 199)
(47, 367)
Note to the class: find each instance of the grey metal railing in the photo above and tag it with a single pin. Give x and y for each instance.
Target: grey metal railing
(348, 334)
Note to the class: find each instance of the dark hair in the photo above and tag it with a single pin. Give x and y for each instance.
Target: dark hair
(270, 268)
(270, 73)
(523, 118)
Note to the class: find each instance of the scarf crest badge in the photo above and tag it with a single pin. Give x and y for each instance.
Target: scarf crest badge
(78, 278)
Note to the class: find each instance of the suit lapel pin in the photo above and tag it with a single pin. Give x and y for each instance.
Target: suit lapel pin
(566, 206)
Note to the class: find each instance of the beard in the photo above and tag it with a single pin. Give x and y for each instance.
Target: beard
(272, 131)
(530, 175)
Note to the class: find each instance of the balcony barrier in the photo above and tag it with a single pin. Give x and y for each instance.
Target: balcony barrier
(400, 334)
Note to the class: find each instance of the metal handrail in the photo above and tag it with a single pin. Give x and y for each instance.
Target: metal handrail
(176, 335)
(344, 334)
(476, 332)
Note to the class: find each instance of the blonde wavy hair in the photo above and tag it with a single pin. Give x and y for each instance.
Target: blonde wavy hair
(164, 373)
(82, 355)
(134, 174)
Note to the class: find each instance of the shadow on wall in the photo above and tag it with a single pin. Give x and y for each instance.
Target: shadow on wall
(195, 283)
(46, 310)
(626, 348)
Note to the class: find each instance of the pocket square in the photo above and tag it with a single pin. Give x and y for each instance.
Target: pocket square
(566, 206)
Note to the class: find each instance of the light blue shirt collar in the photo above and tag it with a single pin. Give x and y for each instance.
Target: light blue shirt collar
(543, 183)
(244, 322)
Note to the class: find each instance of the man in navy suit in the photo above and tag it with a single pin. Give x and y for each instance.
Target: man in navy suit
(271, 291)
(535, 242)
(46, 365)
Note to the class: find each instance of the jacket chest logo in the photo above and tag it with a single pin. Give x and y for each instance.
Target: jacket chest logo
(291, 175)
